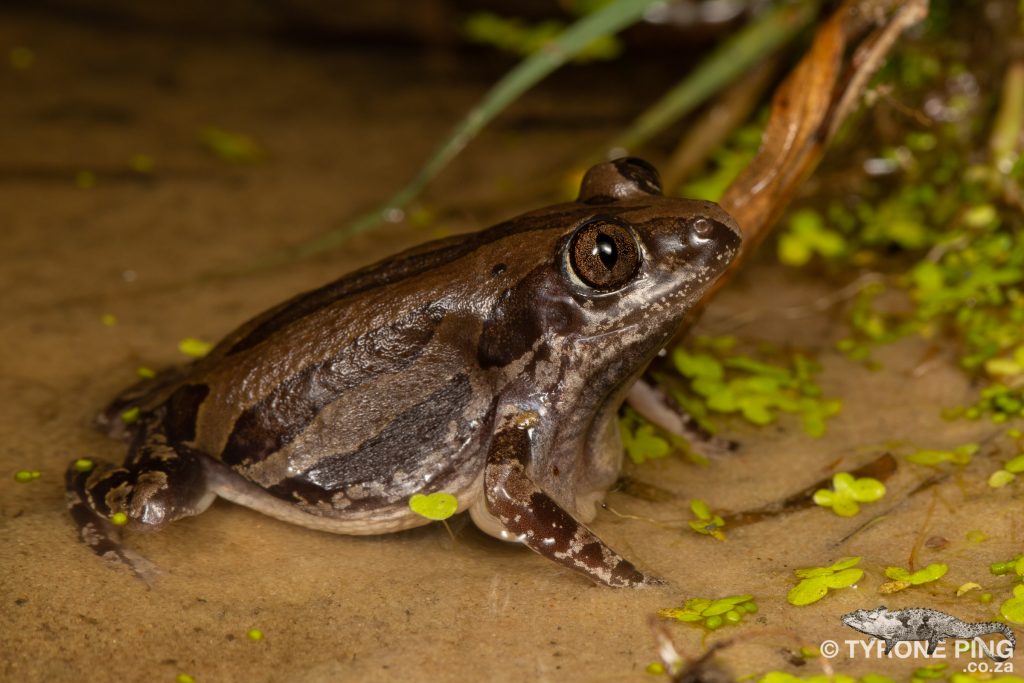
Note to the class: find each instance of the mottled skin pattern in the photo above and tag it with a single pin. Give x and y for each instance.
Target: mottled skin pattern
(489, 366)
(919, 623)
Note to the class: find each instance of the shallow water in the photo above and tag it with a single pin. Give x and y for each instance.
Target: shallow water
(342, 130)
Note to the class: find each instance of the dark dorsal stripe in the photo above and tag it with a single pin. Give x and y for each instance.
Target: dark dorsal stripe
(641, 173)
(180, 411)
(274, 421)
(400, 267)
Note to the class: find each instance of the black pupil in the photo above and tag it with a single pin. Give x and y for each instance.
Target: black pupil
(604, 248)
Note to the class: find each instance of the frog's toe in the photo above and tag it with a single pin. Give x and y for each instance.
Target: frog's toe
(143, 569)
(709, 445)
(96, 530)
(625, 575)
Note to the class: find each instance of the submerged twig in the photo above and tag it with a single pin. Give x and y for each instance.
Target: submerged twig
(880, 468)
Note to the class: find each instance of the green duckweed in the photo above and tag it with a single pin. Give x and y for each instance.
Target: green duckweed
(1001, 478)
(712, 614)
(232, 147)
(719, 380)
(816, 582)
(514, 35)
(196, 348)
(434, 506)
(901, 578)
(847, 492)
(645, 441)
(706, 523)
(1014, 566)
(961, 455)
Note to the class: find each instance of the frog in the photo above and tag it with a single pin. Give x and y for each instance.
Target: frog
(490, 366)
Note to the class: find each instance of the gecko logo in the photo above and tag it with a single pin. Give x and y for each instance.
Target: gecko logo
(920, 632)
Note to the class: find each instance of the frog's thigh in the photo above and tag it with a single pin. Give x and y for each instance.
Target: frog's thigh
(527, 514)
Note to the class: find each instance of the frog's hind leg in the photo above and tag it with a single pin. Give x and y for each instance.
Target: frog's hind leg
(109, 419)
(526, 513)
(157, 485)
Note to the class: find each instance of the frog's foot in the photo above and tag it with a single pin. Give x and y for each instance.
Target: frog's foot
(527, 514)
(97, 531)
(156, 487)
(652, 404)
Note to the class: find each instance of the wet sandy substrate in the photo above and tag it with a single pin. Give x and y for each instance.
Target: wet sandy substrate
(408, 606)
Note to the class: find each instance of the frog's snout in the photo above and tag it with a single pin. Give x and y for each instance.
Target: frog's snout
(735, 229)
(732, 235)
(712, 232)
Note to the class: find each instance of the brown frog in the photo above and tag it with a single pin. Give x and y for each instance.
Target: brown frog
(489, 366)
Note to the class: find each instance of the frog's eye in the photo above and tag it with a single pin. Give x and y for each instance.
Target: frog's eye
(604, 253)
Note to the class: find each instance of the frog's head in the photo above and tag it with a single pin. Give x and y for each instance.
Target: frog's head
(581, 296)
(639, 261)
(605, 281)
(639, 246)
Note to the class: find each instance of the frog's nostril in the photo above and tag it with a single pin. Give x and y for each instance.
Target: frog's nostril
(702, 228)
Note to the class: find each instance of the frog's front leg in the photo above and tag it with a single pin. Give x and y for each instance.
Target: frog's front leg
(531, 516)
(157, 485)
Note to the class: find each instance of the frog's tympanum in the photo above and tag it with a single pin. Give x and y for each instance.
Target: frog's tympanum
(489, 366)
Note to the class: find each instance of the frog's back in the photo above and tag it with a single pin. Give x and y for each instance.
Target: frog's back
(383, 282)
